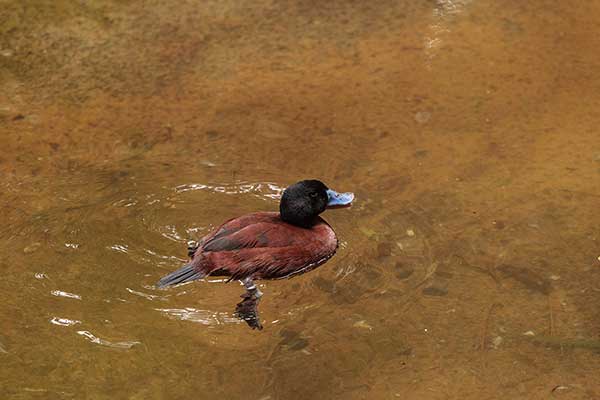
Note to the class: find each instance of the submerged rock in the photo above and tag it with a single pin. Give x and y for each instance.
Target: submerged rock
(435, 289)
(530, 279)
(362, 324)
(292, 340)
(325, 285)
(403, 271)
(384, 249)
(32, 248)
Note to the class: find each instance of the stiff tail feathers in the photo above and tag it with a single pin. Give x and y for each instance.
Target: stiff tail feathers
(187, 273)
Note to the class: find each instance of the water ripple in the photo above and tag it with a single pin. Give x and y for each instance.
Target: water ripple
(145, 295)
(122, 248)
(204, 317)
(117, 345)
(64, 321)
(60, 293)
(261, 189)
(170, 232)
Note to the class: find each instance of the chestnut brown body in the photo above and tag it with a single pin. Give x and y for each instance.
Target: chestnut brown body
(258, 246)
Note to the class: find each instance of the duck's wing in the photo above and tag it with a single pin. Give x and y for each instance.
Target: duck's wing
(234, 225)
(255, 235)
(261, 247)
(243, 232)
(267, 250)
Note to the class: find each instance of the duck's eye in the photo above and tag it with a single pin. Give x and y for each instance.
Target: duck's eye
(313, 194)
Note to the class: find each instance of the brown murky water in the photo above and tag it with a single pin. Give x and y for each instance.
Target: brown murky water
(468, 268)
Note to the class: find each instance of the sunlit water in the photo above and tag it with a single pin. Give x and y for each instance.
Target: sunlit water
(468, 267)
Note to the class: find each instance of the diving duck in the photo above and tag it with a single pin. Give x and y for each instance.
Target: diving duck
(268, 245)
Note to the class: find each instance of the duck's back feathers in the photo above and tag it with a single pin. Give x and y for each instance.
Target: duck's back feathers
(259, 246)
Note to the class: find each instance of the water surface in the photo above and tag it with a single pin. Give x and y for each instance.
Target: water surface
(468, 267)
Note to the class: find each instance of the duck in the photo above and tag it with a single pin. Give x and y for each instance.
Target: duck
(267, 245)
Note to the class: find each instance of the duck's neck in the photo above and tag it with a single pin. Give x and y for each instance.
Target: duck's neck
(306, 222)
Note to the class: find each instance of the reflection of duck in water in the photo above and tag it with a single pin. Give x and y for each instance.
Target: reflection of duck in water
(267, 245)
